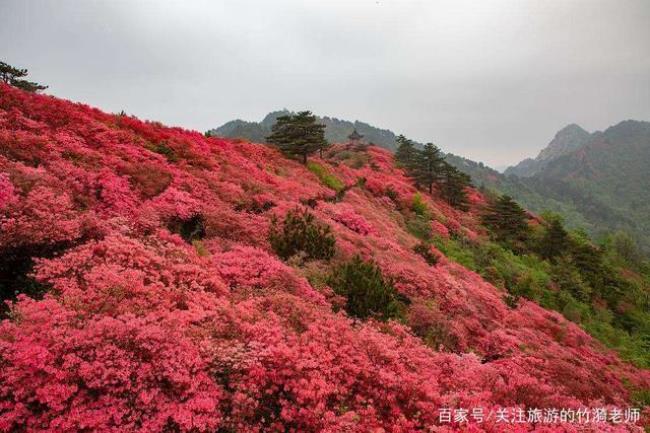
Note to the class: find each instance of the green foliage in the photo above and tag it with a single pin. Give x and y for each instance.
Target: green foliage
(419, 206)
(569, 280)
(392, 194)
(641, 397)
(456, 250)
(452, 186)
(352, 158)
(588, 285)
(327, 178)
(298, 135)
(554, 241)
(418, 223)
(301, 233)
(599, 199)
(14, 77)
(427, 166)
(190, 229)
(200, 248)
(420, 227)
(507, 221)
(406, 153)
(336, 130)
(166, 151)
(432, 326)
(622, 249)
(368, 294)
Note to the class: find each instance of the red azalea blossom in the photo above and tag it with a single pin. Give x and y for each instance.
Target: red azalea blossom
(167, 310)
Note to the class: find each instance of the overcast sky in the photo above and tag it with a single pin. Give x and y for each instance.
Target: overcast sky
(490, 80)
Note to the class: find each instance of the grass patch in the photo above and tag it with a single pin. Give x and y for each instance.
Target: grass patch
(419, 206)
(326, 178)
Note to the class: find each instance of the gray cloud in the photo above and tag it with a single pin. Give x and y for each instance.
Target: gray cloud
(491, 80)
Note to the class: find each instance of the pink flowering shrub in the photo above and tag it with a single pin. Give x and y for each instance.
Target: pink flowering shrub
(44, 216)
(346, 215)
(7, 192)
(149, 326)
(439, 229)
(124, 373)
(252, 270)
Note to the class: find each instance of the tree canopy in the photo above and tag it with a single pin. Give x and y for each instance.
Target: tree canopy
(298, 134)
(427, 167)
(452, 186)
(406, 152)
(14, 77)
(507, 220)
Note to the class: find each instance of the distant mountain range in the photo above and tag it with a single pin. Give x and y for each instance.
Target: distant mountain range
(603, 177)
(336, 130)
(598, 181)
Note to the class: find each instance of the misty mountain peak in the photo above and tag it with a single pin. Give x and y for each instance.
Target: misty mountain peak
(566, 140)
(270, 119)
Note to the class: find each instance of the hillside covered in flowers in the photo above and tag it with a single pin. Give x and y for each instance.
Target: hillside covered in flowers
(147, 293)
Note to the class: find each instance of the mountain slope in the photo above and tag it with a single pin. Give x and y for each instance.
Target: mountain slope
(603, 179)
(161, 306)
(578, 208)
(613, 164)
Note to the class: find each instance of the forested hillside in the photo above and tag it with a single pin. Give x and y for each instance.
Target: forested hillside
(601, 184)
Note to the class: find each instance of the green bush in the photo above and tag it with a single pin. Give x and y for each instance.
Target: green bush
(368, 294)
(301, 233)
(190, 229)
(419, 206)
(419, 227)
(166, 151)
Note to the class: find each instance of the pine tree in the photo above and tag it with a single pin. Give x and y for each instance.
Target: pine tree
(427, 166)
(452, 184)
(507, 221)
(406, 153)
(368, 293)
(298, 134)
(14, 77)
(555, 240)
(323, 147)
